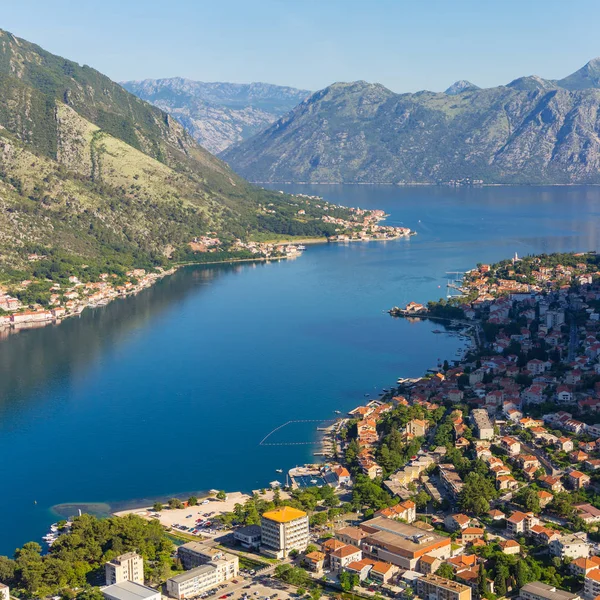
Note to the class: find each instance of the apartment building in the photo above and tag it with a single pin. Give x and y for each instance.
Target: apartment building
(542, 591)
(195, 554)
(192, 583)
(4, 592)
(591, 587)
(433, 587)
(283, 530)
(572, 545)
(127, 567)
(484, 429)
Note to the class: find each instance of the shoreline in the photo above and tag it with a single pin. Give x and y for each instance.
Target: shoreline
(11, 328)
(422, 184)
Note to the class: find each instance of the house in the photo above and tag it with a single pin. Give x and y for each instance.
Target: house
(528, 460)
(591, 586)
(362, 568)
(407, 511)
(592, 464)
(543, 535)
(510, 445)
(510, 547)
(417, 427)
(578, 480)
(577, 456)
(587, 512)
(520, 522)
(314, 561)
(564, 394)
(382, 572)
(551, 482)
(582, 566)
(352, 536)
(469, 534)
(342, 474)
(496, 515)
(545, 498)
(429, 564)
(456, 522)
(506, 482)
(565, 444)
(342, 557)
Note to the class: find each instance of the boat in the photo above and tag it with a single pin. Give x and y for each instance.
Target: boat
(278, 470)
(300, 247)
(367, 395)
(313, 481)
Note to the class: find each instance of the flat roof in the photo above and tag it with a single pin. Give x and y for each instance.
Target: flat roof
(248, 530)
(285, 514)
(394, 534)
(128, 590)
(187, 575)
(548, 591)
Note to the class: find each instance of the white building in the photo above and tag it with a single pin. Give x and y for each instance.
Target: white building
(129, 590)
(573, 545)
(283, 530)
(4, 592)
(127, 567)
(248, 537)
(193, 583)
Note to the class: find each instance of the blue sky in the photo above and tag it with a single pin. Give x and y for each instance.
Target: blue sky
(407, 46)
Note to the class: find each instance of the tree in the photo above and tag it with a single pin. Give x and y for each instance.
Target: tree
(311, 548)
(422, 499)
(157, 506)
(501, 580)
(175, 503)
(445, 570)
(316, 593)
(193, 501)
(348, 581)
(483, 585)
(221, 495)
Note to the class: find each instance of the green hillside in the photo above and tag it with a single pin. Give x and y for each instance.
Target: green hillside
(90, 174)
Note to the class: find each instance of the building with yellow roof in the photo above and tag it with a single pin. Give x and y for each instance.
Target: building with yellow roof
(283, 530)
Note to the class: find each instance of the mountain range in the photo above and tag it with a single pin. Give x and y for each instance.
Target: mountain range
(218, 115)
(532, 130)
(92, 177)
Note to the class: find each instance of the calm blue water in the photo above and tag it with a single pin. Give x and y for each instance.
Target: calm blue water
(173, 390)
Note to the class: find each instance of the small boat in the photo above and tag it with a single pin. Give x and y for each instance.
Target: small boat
(313, 481)
(278, 470)
(367, 395)
(301, 247)
(337, 412)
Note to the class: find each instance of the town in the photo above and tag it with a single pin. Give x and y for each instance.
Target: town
(480, 479)
(41, 301)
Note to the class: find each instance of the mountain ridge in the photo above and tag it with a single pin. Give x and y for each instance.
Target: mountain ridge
(530, 131)
(218, 114)
(94, 179)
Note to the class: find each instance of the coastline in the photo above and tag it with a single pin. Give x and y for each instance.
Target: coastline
(48, 318)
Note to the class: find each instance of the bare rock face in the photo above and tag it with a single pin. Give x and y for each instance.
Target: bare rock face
(530, 131)
(218, 114)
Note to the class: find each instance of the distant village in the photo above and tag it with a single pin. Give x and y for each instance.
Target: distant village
(72, 299)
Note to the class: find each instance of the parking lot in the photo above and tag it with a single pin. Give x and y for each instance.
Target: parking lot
(252, 588)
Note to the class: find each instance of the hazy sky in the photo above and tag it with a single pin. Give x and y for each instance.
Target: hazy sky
(406, 45)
